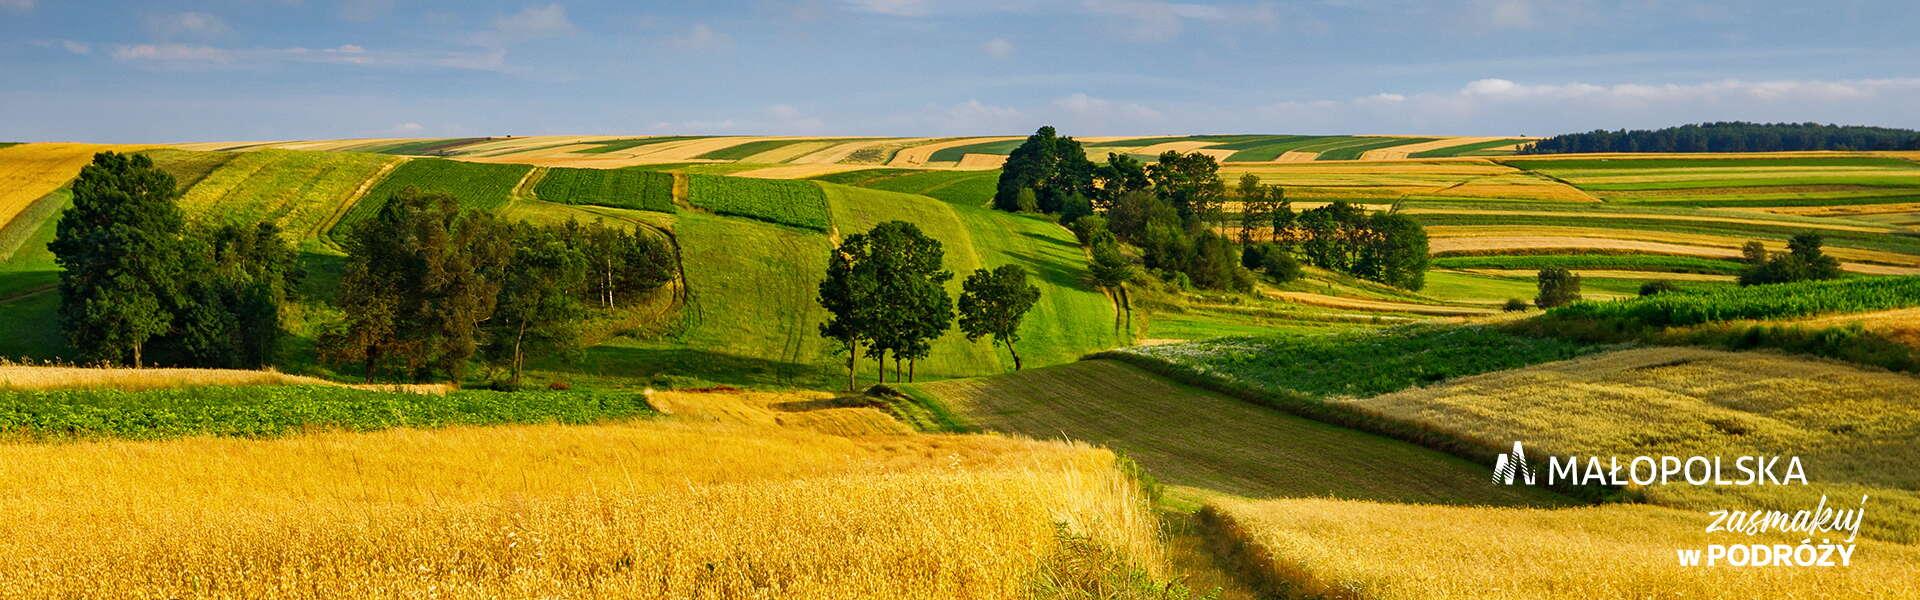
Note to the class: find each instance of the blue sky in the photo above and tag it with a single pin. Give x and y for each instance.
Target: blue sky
(281, 69)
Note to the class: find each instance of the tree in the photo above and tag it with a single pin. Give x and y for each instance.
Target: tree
(1280, 214)
(1803, 261)
(238, 278)
(538, 308)
(1054, 167)
(1657, 286)
(1255, 209)
(421, 277)
(848, 294)
(1190, 183)
(1394, 252)
(911, 306)
(1112, 270)
(994, 302)
(1215, 264)
(1558, 287)
(120, 249)
(1121, 175)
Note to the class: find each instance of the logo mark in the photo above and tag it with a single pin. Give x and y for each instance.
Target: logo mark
(1512, 465)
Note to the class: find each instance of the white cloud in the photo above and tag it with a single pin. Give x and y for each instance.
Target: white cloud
(898, 8)
(407, 128)
(76, 47)
(1083, 105)
(194, 25)
(19, 5)
(700, 37)
(997, 48)
(193, 56)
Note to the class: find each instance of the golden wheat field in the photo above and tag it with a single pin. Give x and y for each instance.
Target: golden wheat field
(29, 171)
(47, 377)
(1356, 549)
(817, 411)
(647, 509)
(1857, 429)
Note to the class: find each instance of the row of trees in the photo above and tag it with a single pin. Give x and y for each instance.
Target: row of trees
(139, 285)
(1804, 260)
(429, 286)
(885, 289)
(1733, 136)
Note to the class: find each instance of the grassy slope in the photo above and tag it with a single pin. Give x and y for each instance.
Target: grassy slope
(752, 317)
(857, 210)
(1191, 437)
(1073, 317)
(298, 190)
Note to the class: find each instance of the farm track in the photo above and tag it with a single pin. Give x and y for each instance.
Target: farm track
(324, 231)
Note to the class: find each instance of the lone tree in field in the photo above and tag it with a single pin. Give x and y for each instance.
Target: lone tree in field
(1051, 166)
(538, 308)
(994, 302)
(848, 293)
(421, 277)
(1558, 287)
(120, 249)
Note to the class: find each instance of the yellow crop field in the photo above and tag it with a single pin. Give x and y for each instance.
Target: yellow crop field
(1450, 177)
(43, 377)
(1354, 549)
(1482, 237)
(817, 411)
(1856, 429)
(29, 171)
(645, 510)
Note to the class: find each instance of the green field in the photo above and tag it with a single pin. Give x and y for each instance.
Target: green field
(787, 202)
(274, 410)
(478, 186)
(301, 191)
(954, 154)
(618, 188)
(974, 188)
(1755, 302)
(1352, 364)
(29, 300)
(1216, 444)
(1266, 151)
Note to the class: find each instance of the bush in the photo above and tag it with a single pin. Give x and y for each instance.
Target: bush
(1272, 260)
(1658, 286)
(1516, 305)
(1085, 228)
(1558, 287)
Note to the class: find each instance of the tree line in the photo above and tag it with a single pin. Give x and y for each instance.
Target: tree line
(1174, 211)
(1733, 136)
(427, 287)
(885, 290)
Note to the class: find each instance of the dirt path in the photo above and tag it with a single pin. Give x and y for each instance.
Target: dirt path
(340, 212)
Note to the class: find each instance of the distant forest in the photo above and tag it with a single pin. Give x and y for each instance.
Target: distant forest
(1734, 136)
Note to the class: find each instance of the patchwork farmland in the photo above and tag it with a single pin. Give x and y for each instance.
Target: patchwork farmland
(1315, 436)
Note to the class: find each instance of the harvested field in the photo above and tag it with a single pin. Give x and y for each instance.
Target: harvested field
(1702, 403)
(1217, 444)
(1484, 239)
(918, 156)
(1333, 548)
(1829, 226)
(981, 162)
